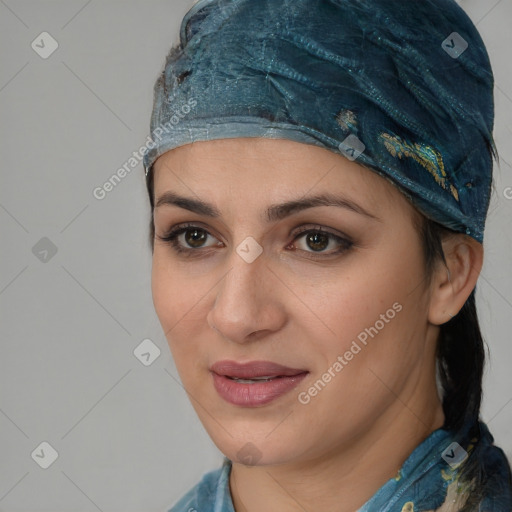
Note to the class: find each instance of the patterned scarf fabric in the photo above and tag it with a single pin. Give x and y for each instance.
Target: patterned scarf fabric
(406, 88)
(429, 480)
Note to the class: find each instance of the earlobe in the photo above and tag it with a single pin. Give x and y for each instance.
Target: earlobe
(453, 282)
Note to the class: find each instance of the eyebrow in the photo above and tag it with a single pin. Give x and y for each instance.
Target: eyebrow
(274, 212)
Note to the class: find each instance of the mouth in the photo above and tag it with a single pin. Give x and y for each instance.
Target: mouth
(255, 383)
(254, 371)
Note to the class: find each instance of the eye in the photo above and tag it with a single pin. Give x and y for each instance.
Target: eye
(189, 239)
(318, 240)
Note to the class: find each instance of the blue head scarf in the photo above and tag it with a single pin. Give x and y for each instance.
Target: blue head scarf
(406, 88)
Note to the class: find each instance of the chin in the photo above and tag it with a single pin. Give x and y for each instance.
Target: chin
(254, 450)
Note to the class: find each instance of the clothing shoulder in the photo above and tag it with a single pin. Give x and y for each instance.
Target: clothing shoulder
(209, 495)
(498, 481)
(493, 492)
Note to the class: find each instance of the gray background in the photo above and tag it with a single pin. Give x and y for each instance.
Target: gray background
(126, 436)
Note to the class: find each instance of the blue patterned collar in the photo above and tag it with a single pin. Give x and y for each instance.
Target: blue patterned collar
(428, 480)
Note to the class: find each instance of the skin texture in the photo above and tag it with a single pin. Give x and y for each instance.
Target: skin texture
(336, 451)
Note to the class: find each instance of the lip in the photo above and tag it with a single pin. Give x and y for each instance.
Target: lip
(282, 380)
(253, 369)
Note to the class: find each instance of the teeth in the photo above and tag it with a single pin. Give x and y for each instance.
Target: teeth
(252, 381)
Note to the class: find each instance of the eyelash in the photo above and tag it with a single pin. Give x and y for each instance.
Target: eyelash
(172, 235)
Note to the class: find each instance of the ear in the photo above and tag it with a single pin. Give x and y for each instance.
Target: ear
(453, 283)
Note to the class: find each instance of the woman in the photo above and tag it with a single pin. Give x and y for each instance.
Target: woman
(319, 180)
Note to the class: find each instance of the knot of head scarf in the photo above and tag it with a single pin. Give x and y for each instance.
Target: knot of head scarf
(403, 88)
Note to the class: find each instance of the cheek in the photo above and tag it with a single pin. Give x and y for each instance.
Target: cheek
(374, 311)
(174, 293)
(163, 289)
(180, 300)
(377, 334)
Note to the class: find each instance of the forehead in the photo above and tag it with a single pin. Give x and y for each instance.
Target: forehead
(257, 167)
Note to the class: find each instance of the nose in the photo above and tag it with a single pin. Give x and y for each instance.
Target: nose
(248, 304)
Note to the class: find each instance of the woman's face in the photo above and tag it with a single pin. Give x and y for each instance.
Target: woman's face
(335, 320)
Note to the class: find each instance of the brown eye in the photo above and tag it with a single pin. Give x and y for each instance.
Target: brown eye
(188, 239)
(195, 237)
(317, 241)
